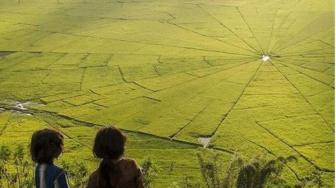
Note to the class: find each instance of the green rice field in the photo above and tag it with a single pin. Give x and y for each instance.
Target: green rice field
(247, 77)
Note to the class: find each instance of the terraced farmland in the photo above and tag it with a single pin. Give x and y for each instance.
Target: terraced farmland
(180, 77)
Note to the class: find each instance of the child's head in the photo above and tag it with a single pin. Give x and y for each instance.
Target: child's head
(46, 145)
(109, 143)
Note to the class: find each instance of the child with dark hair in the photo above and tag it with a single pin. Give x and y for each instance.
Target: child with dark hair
(47, 145)
(114, 171)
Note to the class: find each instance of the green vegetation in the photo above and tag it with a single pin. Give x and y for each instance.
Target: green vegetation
(176, 76)
(15, 169)
(16, 172)
(256, 173)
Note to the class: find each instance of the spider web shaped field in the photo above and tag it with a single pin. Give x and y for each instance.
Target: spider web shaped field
(176, 75)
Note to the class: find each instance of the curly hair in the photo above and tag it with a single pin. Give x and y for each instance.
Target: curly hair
(46, 145)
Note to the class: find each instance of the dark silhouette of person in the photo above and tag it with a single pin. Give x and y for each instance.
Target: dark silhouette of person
(114, 170)
(47, 145)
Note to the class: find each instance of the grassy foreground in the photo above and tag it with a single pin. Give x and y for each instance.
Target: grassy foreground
(176, 76)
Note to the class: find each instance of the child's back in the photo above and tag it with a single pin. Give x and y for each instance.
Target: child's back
(130, 175)
(114, 171)
(50, 176)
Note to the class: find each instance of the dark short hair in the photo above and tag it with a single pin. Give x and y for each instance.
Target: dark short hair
(109, 143)
(46, 145)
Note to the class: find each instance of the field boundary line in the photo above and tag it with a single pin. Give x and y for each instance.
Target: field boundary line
(40, 113)
(307, 75)
(301, 94)
(293, 148)
(236, 101)
(227, 28)
(271, 153)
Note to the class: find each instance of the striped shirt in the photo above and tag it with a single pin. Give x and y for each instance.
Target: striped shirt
(50, 176)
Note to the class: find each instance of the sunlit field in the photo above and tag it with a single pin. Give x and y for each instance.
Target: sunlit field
(233, 77)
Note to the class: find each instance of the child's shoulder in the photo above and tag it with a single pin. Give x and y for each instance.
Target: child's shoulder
(129, 166)
(52, 169)
(127, 162)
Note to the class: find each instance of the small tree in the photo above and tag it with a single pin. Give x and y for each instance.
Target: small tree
(188, 182)
(77, 172)
(149, 172)
(232, 172)
(209, 171)
(23, 175)
(213, 174)
(257, 173)
(5, 155)
(313, 180)
(15, 169)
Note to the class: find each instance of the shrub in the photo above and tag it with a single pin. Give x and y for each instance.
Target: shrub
(17, 171)
(15, 168)
(149, 172)
(77, 173)
(256, 173)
